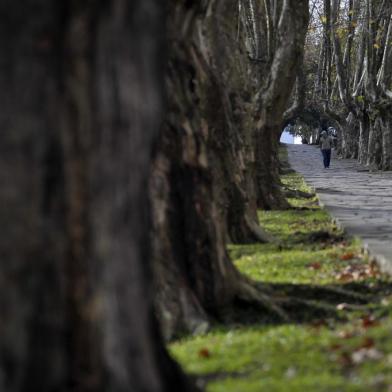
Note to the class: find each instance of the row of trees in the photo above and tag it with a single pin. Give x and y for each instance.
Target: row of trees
(349, 60)
(104, 106)
(228, 82)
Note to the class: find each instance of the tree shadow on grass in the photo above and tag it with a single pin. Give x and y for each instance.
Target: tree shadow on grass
(308, 303)
(311, 306)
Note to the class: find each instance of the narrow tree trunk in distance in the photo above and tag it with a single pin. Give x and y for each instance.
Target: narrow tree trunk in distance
(363, 139)
(387, 144)
(374, 153)
(364, 93)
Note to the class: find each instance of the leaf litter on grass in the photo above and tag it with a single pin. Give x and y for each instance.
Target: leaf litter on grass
(348, 351)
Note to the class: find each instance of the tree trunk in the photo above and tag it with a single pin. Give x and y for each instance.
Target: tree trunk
(387, 144)
(194, 277)
(374, 153)
(201, 184)
(363, 139)
(234, 83)
(203, 180)
(81, 105)
(270, 195)
(350, 132)
(274, 99)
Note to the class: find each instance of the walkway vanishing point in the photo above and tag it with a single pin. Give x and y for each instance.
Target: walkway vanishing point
(360, 201)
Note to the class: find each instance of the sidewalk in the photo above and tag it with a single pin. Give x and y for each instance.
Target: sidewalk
(359, 200)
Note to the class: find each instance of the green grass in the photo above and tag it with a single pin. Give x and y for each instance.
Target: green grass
(283, 358)
(322, 355)
(298, 232)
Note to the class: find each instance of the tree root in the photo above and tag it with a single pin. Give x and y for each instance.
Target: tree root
(291, 303)
(319, 292)
(257, 231)
(296, 193)
(347, 293)
(310, 304)
(250, 293)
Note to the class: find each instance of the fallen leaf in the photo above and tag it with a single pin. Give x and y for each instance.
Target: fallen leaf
(346, 334)
(345, 277)
(367, 343)
(319, 323)
(345, 359)
(314, 266)
(335, 347)
(204, 353)
(374, 269)
(347, 256)
(357, 272)
(368, 322)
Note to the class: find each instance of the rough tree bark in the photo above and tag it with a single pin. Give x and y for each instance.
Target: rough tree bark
(80, 107)
(191, 188)
(203, 181)
(235, 76)
(274, 98)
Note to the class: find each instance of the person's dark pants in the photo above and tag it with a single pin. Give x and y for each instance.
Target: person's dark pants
(326, 157)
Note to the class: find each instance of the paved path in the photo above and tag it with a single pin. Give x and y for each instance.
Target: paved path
(359, 200)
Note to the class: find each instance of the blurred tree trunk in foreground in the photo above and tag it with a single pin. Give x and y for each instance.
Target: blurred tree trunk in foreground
(80, 99)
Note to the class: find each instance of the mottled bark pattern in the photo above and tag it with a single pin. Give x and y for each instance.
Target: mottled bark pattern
(274, 98)
(204, 182)
(193, 273)
(81, 98)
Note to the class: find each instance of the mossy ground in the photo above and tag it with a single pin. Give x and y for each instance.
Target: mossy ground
(347, 351)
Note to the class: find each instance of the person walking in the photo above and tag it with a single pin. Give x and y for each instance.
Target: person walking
(326, 143)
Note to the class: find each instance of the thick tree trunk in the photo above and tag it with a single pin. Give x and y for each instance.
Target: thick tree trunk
(363, 139)
(234, 84)
(270, 195)
(275, 96)
(81, 104)
(203, 181)
(348, 137)
(374, 153)
(195, 277)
